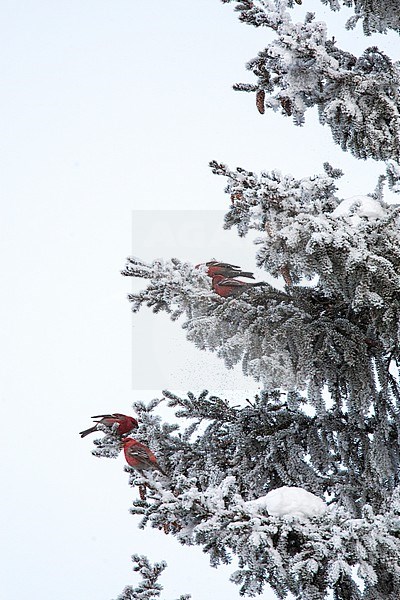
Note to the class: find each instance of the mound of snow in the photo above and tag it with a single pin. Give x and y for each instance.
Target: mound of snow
(289, 501)
(359, 206)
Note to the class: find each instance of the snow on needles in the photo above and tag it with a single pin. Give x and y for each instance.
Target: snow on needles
(289, 502)
(356, 207)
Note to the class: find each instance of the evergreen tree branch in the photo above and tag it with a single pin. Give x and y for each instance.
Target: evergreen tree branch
(358, 98)
(148, 588)
(306, 557)
(377, 15)
(244, 452)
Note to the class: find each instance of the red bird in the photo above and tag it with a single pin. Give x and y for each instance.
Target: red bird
(139, 456)
(220, 268)
(227, 287)
(125, 424)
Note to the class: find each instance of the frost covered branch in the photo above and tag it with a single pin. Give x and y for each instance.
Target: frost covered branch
(218, 489)
(377, 15)
(310, 335)
(148, 588)
(358, 98)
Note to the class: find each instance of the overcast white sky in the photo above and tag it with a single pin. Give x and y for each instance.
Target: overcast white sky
(112, 107)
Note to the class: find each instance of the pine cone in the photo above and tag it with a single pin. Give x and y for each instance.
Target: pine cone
(166, 528)
(287, 106)
(142, 492)
(267, 228)
(260, 97)
(236, 196)
(286, 274)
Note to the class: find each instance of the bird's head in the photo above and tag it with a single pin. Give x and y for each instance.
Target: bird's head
(132, 421)
(126, 441)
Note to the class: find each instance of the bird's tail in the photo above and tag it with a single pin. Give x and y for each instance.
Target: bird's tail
(259, 283)
(247, 274)
(87, 431)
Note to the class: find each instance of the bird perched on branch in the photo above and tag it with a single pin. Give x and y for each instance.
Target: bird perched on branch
(225, 269)
(139, 456)
(125, 424)
(226, 286)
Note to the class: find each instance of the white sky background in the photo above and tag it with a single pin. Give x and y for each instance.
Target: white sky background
(110, 107)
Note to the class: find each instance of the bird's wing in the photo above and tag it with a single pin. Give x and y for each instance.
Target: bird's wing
(141, 454)
(247, 274)
(111, 416)
(215, 263)
(228, 282)
(103, 416)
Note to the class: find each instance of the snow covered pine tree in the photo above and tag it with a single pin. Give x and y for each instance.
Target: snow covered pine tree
(301, 483)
